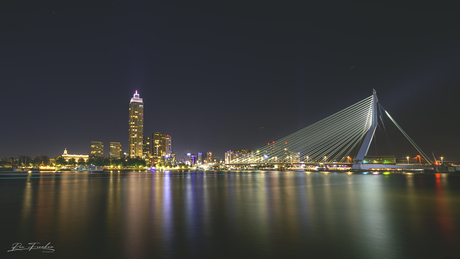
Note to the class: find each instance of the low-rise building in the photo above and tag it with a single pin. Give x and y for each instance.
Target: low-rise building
(68, 156)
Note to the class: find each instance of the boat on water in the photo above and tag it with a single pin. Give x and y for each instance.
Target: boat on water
(19, 169)
(91, 168)
(47, 168)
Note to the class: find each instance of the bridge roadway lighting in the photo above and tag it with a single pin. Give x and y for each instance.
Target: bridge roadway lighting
(407, 159)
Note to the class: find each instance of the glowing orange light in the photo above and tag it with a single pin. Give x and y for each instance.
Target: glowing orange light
(285, 142)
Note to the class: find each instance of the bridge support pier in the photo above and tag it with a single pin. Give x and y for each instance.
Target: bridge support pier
(357, 165)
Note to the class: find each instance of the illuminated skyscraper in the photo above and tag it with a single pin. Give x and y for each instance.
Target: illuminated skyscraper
(97, 149)
(229, 156)
(147, 149)
(209, 157)
(168, 140)
(200, 158)
(115, 150)
(158, 144)
(136, 126)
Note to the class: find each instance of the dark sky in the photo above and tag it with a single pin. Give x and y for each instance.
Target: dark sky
(222, 75)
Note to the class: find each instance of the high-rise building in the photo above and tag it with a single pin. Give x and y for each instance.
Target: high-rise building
(209, 157)
(146, 150)
(192, 159)
(168, 140)
(158, 144)
(97, 149)
(136, 126)
(171, 158)
(161, 148)
(241, 154)
(229, 156)
(115, 150)
(200, 158)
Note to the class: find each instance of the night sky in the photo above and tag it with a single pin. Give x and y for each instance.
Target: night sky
(224, 75)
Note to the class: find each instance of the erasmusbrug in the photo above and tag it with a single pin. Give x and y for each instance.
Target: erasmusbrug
(343, 137)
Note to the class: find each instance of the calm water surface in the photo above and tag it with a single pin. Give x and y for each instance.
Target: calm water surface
(261, 214)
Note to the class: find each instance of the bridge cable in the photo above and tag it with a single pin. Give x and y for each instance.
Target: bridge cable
(408, 138)
(330, 139)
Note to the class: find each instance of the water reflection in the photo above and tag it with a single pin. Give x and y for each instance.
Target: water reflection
(445, 222)
(235, 214)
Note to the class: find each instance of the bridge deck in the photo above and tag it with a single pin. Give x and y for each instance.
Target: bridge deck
(363, 166)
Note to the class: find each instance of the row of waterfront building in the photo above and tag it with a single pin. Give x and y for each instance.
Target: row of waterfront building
(156, 149)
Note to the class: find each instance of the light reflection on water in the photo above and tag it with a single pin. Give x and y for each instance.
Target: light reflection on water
(234, 214)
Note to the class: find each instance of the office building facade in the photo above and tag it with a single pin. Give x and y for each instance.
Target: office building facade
(147, 150)
(229, 156)
(158, 144)
(97, 149)
(115, 150)
(200, 158)
(209, 157)
(168, 142)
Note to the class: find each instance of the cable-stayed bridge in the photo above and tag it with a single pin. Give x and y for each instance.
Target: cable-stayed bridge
(343, 137)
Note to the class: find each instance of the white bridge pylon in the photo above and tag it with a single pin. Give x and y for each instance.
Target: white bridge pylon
(369, 135)
(332, 139)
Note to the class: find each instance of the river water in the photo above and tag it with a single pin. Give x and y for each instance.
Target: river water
(262, 214)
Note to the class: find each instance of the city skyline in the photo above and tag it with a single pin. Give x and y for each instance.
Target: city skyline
(97, 147)
(219, 78)
(230, 129)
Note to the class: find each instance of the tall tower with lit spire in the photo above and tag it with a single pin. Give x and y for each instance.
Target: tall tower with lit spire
(136, 126)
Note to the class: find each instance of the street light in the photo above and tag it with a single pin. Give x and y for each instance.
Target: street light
(407, 159)
(442, 159)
